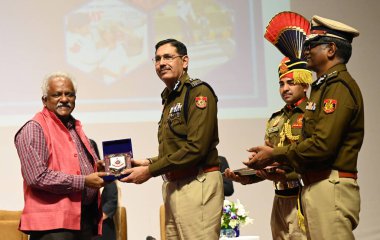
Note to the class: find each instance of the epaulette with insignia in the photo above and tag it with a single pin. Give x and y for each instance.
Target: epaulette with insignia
(275, 114)
(195, 82)
(333, 79)
(332, 75)
(324, 78)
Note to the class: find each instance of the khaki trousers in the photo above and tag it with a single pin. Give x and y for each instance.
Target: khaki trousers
(193, 207)
(331, 208)
(284, 220)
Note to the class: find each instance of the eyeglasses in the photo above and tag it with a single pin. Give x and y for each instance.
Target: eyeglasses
(167, 58)
(312, 44)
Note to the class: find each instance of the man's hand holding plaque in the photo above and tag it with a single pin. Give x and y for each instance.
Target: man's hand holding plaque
(242, 175)
(138, 174)
(117, 157)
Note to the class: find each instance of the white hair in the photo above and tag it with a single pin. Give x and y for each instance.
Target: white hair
(45, 82)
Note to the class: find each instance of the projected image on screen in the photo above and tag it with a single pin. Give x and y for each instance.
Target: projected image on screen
(107, 37)
(108, 46)
(113, 42)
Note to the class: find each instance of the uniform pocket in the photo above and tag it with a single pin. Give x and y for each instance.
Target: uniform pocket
(177, 128)
(308, 126)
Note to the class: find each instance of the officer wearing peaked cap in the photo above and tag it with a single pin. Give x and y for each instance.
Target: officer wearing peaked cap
(285, 126)
(330, 28)
(333, 133)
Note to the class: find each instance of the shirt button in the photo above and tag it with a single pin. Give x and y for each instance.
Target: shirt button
(75, 155)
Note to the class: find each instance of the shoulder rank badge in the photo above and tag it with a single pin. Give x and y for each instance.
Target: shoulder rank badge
(311, 106)
(201, 102)
(329, 105)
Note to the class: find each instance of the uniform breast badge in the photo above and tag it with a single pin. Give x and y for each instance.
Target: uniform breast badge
(298, 122)
(201, 102)
(175, 111)
(329, 105)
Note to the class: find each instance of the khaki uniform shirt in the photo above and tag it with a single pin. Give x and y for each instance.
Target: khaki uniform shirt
(333, 126)
(284, 128)
(187, 143)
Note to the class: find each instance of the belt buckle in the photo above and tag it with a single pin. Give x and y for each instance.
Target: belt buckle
(286, 185)
(293, 184)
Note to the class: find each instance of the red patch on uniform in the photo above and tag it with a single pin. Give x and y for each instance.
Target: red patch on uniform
(329, 105)
(298, 122)
(201, 102)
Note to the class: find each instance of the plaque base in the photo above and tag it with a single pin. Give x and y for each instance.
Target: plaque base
(111, 177)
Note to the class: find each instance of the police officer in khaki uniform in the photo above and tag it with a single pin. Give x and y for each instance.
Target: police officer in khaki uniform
(283, 128)
(333, 130)
(188, 158)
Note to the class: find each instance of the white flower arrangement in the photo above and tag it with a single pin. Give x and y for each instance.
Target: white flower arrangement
(234, 215)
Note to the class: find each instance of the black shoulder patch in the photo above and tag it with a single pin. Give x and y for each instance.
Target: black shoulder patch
(194, 82)
(275, 114)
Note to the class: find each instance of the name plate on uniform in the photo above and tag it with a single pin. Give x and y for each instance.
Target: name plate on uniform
(117, 157)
